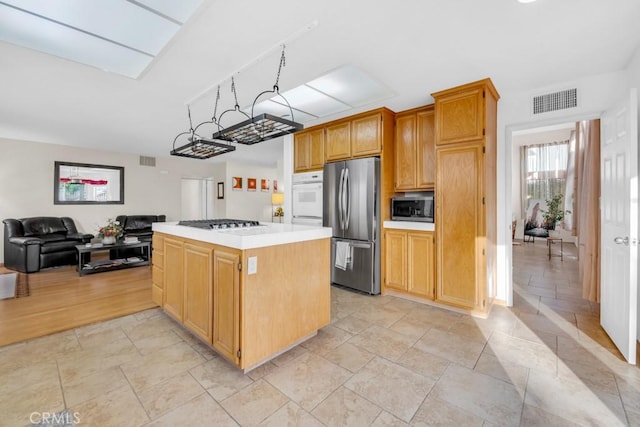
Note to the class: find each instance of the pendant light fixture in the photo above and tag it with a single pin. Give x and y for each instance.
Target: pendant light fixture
(252, 130)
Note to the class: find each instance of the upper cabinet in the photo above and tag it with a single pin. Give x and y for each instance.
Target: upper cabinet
(415, 150)
(308, 148)
(461, 115)
(362, 135)
(366, 135)
(338, 142)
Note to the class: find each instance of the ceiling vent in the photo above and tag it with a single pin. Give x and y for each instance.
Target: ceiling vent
(147, 161)
(555, 101)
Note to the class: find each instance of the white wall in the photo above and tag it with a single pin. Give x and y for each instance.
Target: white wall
(250, 205)
(26, 184)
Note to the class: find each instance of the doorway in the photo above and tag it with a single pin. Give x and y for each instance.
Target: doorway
(197, 198)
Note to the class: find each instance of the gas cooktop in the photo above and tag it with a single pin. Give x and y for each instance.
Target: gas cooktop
(219, 224)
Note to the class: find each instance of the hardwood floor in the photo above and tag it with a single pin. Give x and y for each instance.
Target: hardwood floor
(60, 300)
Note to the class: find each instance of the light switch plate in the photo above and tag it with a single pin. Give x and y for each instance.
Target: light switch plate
(252, 268)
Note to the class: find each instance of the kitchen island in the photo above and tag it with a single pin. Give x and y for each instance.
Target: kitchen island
(250, 293)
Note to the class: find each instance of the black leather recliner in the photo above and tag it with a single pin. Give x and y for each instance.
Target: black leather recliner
(31, 244)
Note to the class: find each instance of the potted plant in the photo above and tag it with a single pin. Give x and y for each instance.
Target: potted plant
(110, 232)
(554, 212)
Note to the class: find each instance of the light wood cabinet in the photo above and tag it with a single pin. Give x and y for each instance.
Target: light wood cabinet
(421, 263)
(157, 270)
(415, 150)
(197, 295)
(226, 304)
(461, 115)
(396, 259)
(409, 259)
(173, 277)
(466, 224)
(308, 148)
(338, 141)
(366, 135)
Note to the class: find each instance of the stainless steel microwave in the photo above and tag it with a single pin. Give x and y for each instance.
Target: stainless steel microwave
(413, 208)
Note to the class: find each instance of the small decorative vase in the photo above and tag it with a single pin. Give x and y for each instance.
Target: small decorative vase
(108, 240)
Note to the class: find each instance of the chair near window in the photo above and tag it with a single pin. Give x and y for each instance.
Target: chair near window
(533, 223)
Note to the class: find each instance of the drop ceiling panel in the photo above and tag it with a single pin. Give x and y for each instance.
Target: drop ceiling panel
(120, 21)
(307, 99)
(351, 85)
(15, 27)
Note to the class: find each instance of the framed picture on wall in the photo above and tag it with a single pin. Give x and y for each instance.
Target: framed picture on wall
(236, 183)
(221, 190)
(251, 184)
(264, 185)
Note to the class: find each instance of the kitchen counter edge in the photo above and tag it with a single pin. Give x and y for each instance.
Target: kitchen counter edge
(410, 225)
(247, 238)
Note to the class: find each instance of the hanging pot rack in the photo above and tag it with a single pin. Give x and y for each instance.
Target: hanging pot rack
(252, 130)
(198, 147)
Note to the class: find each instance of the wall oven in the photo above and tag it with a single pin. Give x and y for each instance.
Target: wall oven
(306, 206)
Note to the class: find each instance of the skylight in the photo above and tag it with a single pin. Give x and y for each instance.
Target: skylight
(120, 36)
(342, 89)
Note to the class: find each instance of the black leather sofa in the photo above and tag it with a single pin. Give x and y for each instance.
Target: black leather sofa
(135, 226)
(139, 225)
(31, 244)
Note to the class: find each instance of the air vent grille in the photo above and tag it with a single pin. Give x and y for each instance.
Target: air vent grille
(555, 101)
(147, 161)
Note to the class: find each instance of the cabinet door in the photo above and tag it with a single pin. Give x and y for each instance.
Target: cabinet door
(366, 137)
(396, 259)
(301, 146)
(405, 162)
(197, 292)
(316, 149)
(460, 116)
(426, 150)
(157, 270)
(173, 277)
(338, 141)
(421, 259)
(226, 304)
(459, 214)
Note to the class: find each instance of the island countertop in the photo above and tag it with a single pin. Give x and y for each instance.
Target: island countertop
(266, 234)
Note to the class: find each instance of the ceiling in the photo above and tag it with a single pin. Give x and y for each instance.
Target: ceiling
(413, 47)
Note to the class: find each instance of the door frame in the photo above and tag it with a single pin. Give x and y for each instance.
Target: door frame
(507, 210)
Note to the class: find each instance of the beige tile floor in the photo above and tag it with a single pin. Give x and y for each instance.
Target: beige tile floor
(382, 361)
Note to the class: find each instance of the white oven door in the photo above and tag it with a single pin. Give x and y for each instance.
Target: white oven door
(307, 200)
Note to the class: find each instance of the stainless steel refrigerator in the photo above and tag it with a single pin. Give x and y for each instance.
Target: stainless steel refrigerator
(351, 195)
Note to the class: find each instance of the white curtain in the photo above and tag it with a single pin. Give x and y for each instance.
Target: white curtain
(545, 170)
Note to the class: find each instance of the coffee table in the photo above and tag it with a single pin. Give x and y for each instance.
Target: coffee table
(86, 266)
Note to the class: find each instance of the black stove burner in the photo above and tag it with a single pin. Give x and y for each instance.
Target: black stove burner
(219, 224)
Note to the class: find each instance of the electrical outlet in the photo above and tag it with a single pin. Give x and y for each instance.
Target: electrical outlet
(252, 268)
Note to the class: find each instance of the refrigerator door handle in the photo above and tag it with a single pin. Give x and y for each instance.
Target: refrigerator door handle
(360, 245)
(340, 206)
(347, 199)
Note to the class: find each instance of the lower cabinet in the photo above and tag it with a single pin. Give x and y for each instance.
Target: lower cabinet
(409, 262)
(197, 296)
(226, 304)
(173, 296)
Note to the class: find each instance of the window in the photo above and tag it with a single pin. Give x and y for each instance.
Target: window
(546, 170)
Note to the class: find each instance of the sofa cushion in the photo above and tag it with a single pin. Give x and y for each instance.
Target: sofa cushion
(58, 246)
(39, 226)
(55, 237)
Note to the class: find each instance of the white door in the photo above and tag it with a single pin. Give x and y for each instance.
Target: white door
(619, 217)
